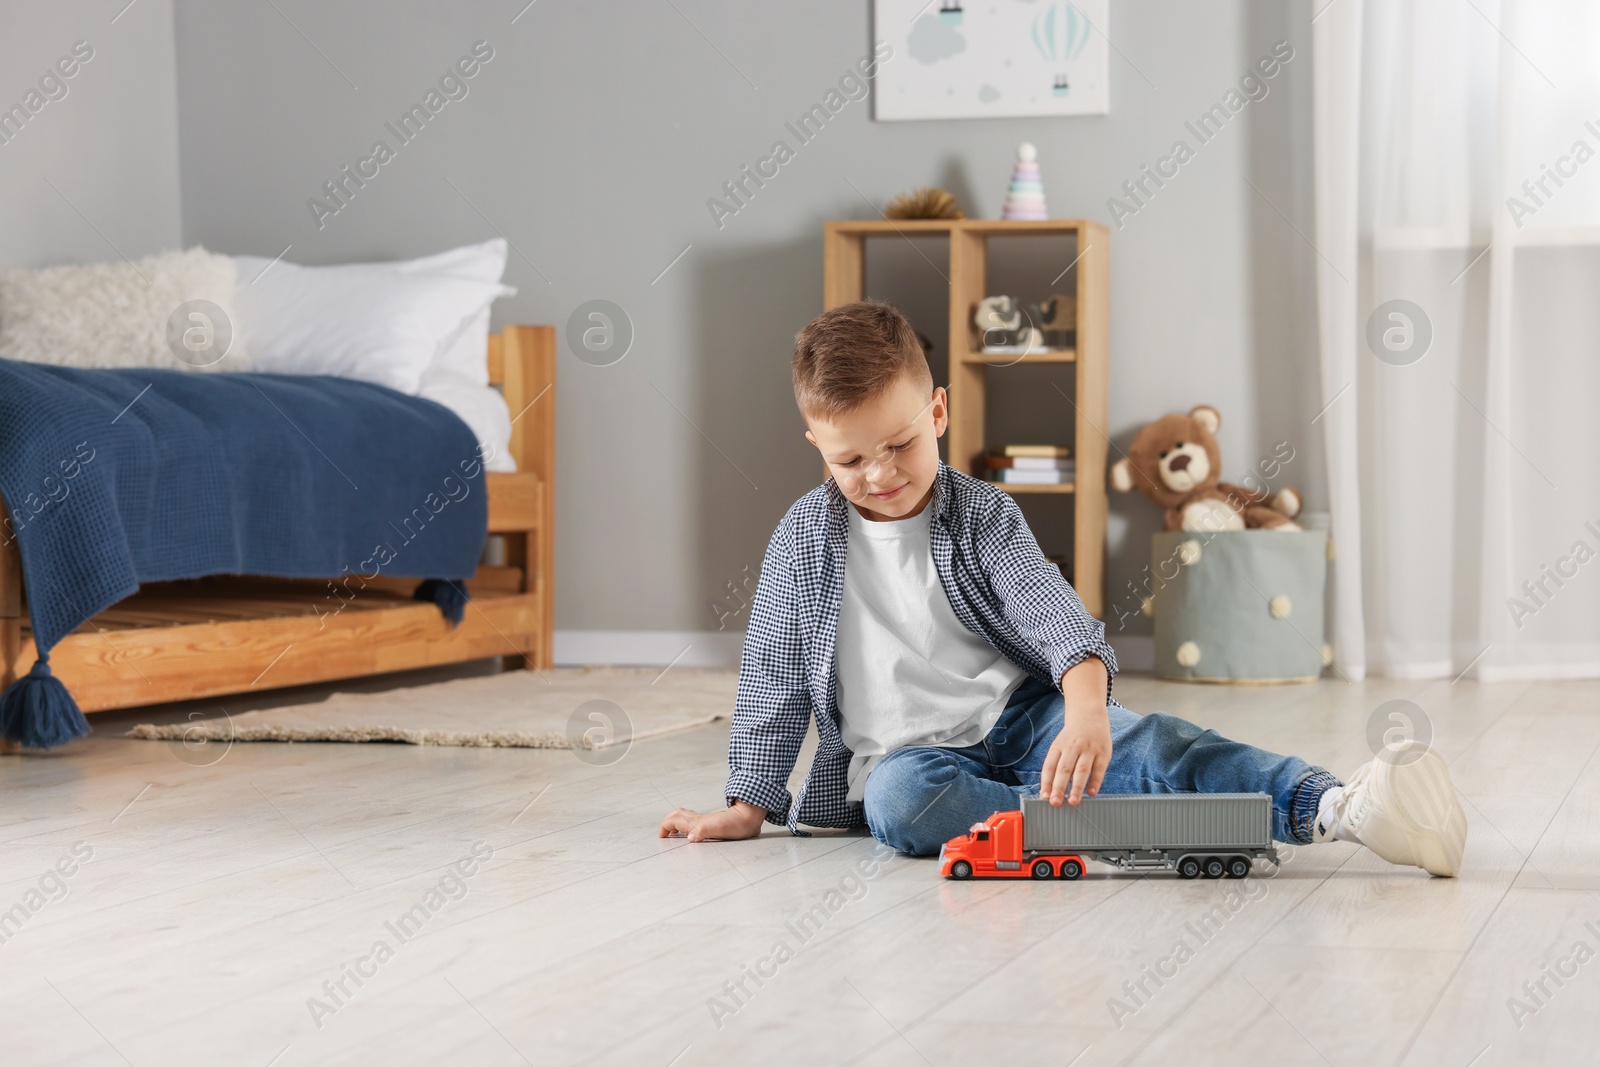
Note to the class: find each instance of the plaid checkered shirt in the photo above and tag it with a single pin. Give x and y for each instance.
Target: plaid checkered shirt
(998, 582)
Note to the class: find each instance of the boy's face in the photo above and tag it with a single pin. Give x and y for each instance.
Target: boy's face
(884, 455)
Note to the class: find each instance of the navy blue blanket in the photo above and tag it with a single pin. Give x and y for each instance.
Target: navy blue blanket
(117, 477)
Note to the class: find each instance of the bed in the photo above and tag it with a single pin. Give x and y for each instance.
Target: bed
(221, 634)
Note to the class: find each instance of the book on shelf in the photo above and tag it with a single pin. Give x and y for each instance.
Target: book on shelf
(1024, 476)
(1028, 463)
(1032, 451)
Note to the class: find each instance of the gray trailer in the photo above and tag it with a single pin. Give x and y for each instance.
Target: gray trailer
(1193, 833)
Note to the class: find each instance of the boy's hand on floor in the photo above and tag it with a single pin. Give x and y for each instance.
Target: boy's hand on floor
(733, 823)
(1077, 761)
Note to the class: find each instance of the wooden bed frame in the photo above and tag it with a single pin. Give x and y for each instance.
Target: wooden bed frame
(231, 634)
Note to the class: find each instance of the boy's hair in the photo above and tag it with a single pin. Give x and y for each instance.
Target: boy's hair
(851, 354)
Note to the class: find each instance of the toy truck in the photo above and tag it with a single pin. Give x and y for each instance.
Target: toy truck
(1210, 834)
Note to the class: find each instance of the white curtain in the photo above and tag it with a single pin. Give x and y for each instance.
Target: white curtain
(1457, 166)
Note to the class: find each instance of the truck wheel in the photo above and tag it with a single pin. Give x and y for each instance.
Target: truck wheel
(961, 869)
(1041, 869)
(1188, 867)
(1072, 870)
(1215, 867)
(1238, 867)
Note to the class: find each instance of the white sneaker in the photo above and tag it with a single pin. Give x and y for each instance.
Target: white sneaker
(1402, 806)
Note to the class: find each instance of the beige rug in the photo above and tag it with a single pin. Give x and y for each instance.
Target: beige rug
(575, 708)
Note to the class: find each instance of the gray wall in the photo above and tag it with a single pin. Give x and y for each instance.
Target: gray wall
(593, 139)
(109, 146)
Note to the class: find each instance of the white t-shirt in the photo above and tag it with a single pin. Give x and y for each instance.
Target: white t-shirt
(909, 672)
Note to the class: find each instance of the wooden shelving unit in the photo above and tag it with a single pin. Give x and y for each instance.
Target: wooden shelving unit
(844, 281)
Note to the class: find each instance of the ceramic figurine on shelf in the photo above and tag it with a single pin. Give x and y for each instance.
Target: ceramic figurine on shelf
(1025, 197)
(1057, 317)
(1006, 325)
(1003, 326)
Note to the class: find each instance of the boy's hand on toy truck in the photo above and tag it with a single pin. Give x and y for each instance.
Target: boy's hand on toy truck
(733, 823)
(1077, 761)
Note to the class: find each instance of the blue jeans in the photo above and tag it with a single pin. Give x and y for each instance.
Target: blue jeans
(920, 797)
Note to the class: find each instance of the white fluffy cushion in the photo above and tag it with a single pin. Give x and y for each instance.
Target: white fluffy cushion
(116, 314)
(364, 321)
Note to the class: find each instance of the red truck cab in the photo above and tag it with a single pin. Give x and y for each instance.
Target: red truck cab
(993, 849)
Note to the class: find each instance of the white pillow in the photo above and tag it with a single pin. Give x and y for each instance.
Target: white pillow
(485, 262)
(364, 321)
(483, 410)
(467, 353)
(128, 314)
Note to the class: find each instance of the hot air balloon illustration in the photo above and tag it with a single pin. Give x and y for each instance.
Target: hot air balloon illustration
(1059, 33)
(950, 12)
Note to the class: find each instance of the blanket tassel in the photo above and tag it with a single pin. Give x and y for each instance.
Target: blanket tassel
(450, 596)
(37, 711)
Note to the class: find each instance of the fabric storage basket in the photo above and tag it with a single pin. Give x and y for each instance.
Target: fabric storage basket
(1241, 606)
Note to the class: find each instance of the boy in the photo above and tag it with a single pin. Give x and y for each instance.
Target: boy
(950, 669)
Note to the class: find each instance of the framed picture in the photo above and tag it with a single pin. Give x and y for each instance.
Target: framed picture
(992, 58)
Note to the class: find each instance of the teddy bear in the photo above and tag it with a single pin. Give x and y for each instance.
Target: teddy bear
(1177, 463)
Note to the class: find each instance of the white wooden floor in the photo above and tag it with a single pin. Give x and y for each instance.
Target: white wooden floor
(220, 898)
